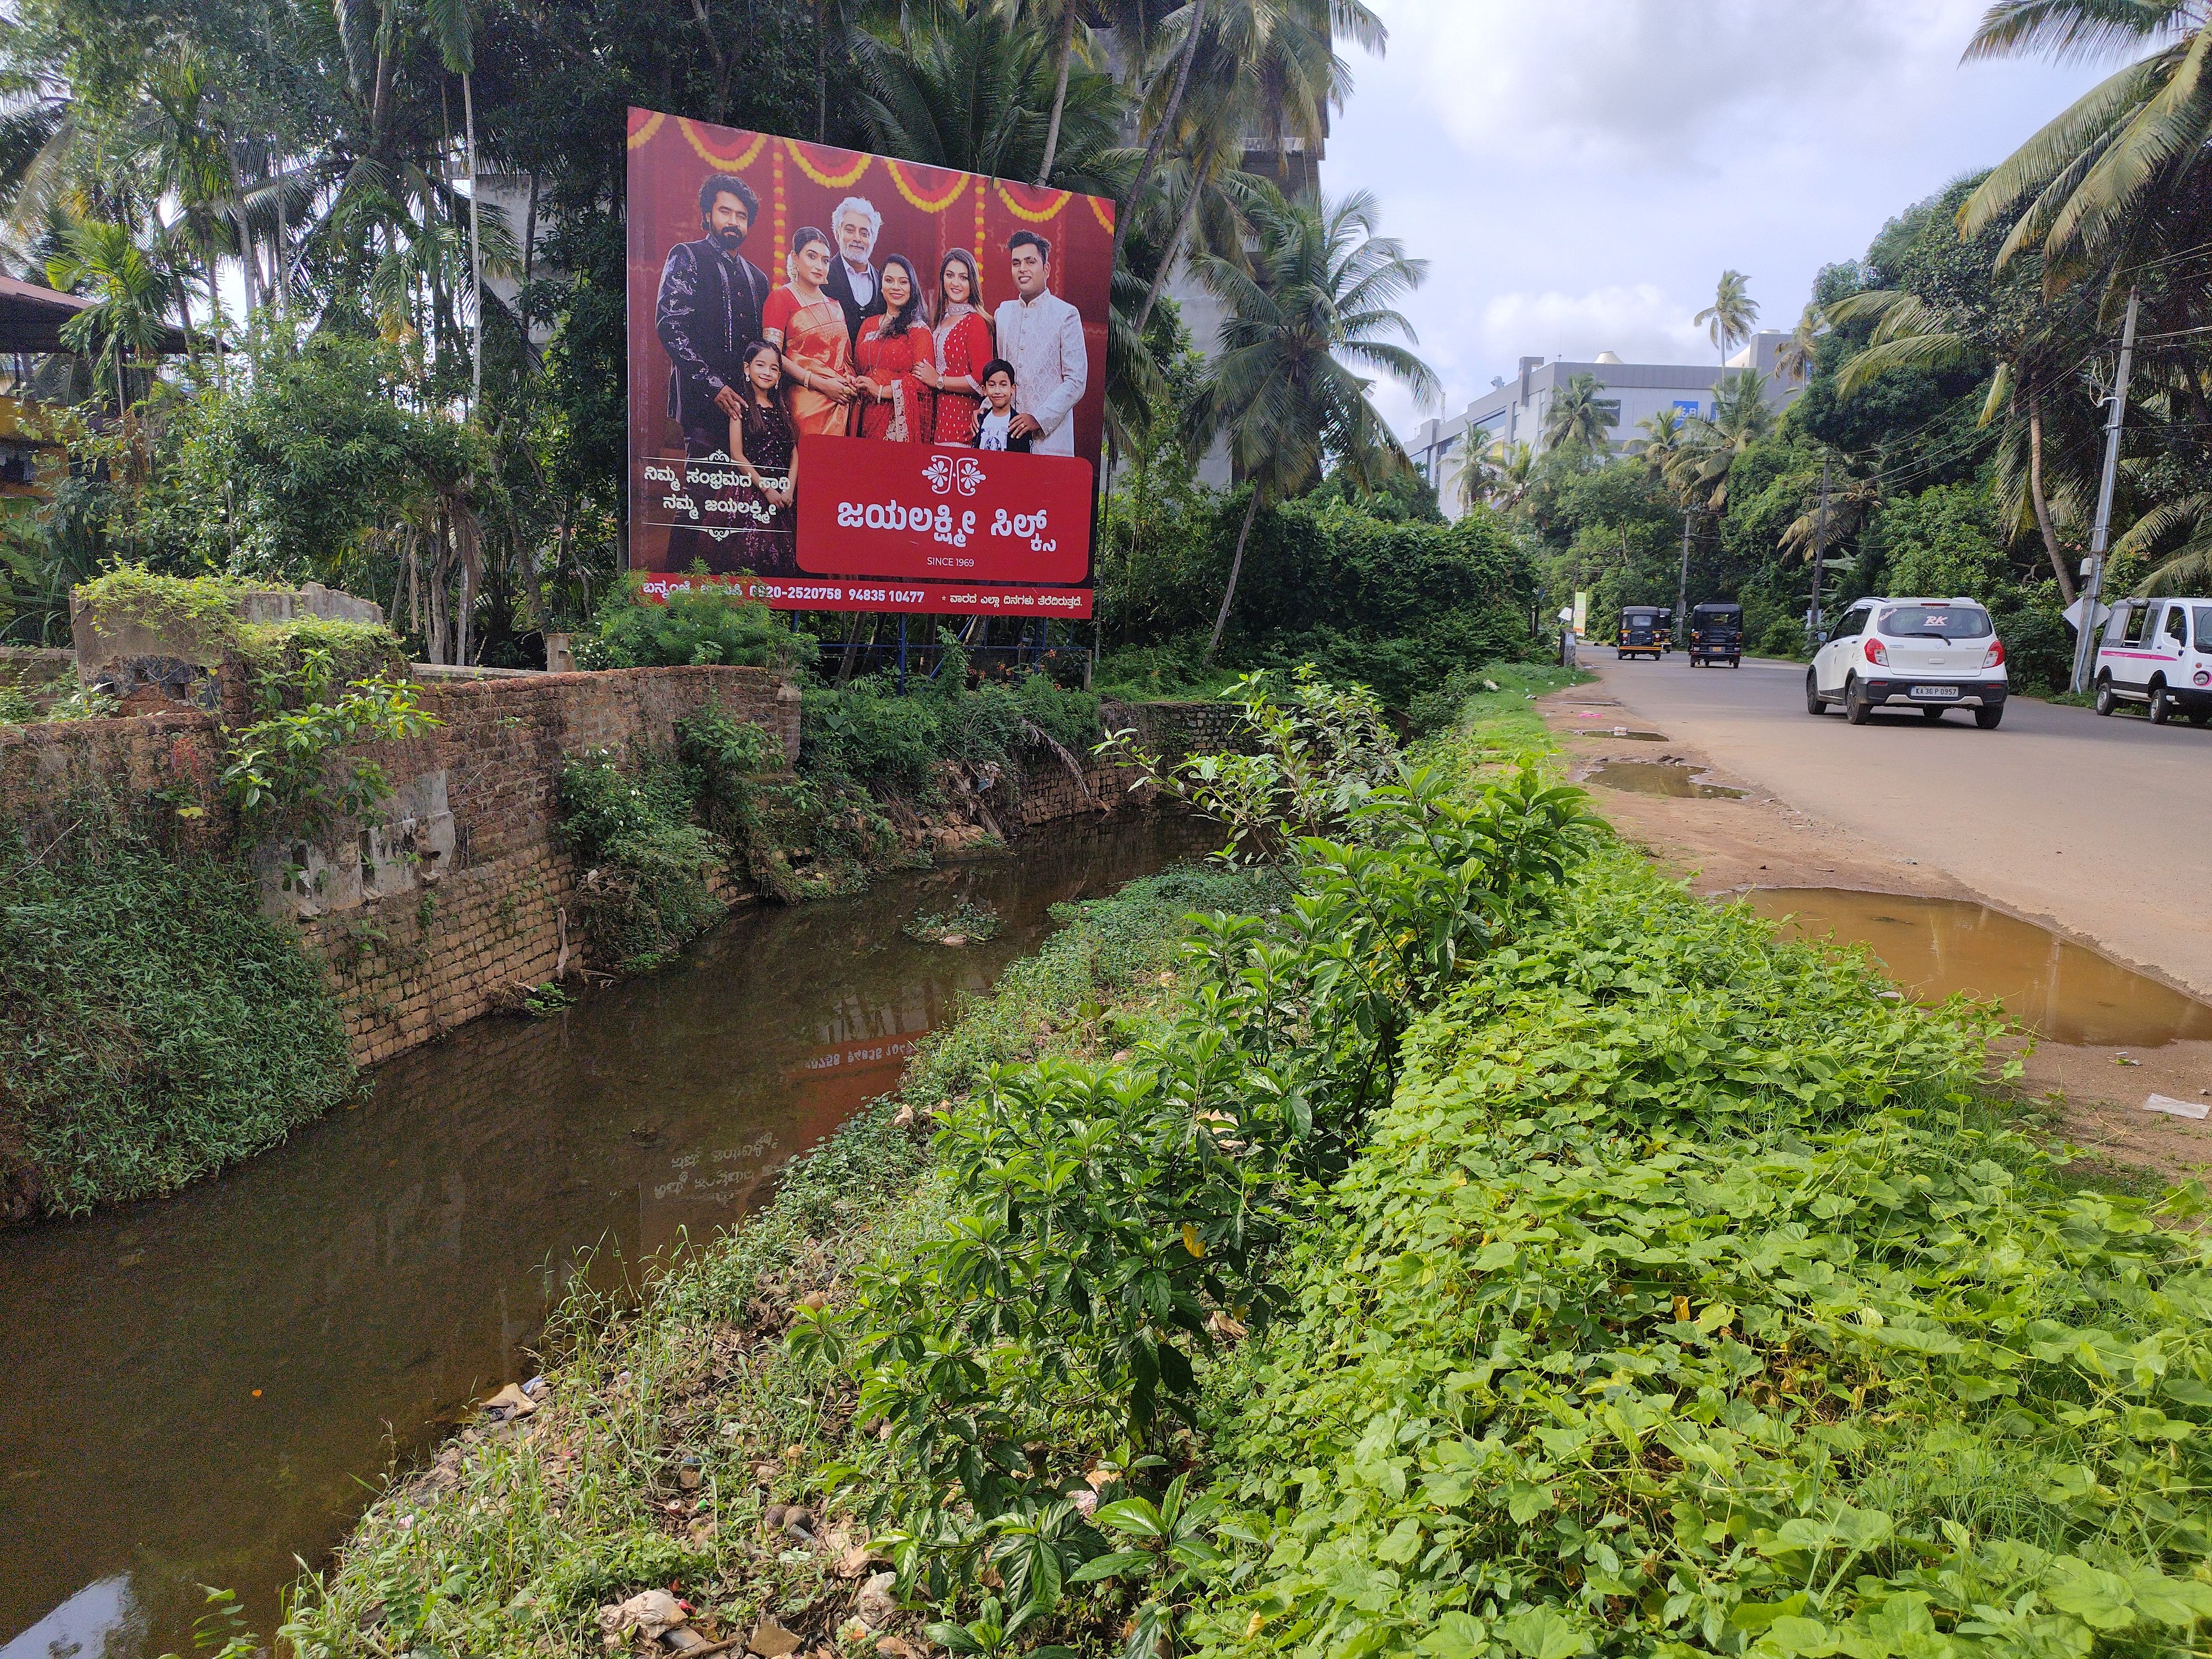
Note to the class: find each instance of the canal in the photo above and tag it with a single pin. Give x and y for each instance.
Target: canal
(200, 1390)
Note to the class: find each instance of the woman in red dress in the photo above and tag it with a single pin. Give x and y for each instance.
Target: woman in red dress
(962, 338)
(894, 403)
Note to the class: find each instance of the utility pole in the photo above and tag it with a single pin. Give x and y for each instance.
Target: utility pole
(2084, 636)
(1682, 585)
(1819, 550)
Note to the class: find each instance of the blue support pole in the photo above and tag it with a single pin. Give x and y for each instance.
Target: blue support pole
(902, 654)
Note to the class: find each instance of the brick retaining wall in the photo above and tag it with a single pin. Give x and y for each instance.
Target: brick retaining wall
(460, 900)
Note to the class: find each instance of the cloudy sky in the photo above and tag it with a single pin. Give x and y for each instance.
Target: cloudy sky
(1578, 172)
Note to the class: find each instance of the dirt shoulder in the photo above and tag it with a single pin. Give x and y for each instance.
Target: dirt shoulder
(2092, 1096)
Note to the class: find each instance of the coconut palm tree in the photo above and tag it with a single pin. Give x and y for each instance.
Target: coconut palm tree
(1714, 443)
(1793, 361)
(1313, 309)
(1498, 475)
(1578, 421)
(1269, 66)
(2031, 362)
(2118, 178)
(969, 90)
(1729, 319)
(1662, 437)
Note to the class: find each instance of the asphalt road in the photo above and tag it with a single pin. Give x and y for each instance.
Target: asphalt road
(2102, 825)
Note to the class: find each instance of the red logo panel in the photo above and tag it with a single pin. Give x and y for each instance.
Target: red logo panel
(941, 513)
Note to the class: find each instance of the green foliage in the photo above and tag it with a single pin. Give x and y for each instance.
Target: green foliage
(644, 890)
(16, 708)
(1942, 541)
(281, 777)
(965, 918)
(1314, 752)
(285, 466)
(154, 1026)
(706, 625)
(1680, 1302)
(866, 734)
(221, 1631)
(1107, 1220)
(1394, 604)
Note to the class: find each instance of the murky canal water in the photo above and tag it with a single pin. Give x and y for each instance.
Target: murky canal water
(1934, 947)
(196, 1389)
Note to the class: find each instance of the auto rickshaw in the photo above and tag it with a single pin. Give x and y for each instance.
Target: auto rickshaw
(1641, 633)
(1716, 634)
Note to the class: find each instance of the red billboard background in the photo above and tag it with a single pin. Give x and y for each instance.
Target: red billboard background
(876, 524)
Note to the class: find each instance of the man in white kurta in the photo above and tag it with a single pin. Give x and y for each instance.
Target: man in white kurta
(1042, 335)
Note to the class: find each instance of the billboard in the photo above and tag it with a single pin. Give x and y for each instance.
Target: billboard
(860, 384)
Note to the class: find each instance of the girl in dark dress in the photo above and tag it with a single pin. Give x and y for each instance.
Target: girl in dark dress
(764, 448)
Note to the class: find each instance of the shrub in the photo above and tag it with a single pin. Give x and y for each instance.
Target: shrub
(645, 890)
(705, 625)
(867, 733)
(1106, 1219)
(799, 837)
(154, 1026)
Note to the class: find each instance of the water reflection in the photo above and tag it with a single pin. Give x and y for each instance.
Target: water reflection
(1935, 947)
(1673, 779)
(197, 1389)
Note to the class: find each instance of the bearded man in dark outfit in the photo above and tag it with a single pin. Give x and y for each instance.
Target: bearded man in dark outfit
(708, 312)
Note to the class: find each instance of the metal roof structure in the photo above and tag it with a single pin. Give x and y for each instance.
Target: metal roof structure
(31, 319)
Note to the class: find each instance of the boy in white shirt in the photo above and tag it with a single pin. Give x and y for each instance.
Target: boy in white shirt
(995, 421)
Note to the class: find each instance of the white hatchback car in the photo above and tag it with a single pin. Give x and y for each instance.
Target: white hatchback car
(2158, 651)
(1929, 654)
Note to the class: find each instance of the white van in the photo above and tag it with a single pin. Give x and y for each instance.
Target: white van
(1929, 654)
(2157, 652)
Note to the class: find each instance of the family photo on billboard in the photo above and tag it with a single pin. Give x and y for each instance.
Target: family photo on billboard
(817, 333)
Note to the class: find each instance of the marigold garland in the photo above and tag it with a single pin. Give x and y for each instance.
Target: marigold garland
(720, 163)
(827, 180)
(775, 189)
(643, 136)
(1031, 214)
(913, 193)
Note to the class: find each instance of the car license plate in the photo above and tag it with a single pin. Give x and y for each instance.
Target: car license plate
(1935, 693)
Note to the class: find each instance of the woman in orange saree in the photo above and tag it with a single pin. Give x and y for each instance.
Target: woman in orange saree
(808, 326)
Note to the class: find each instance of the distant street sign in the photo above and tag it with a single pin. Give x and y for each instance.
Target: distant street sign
(2073, 614)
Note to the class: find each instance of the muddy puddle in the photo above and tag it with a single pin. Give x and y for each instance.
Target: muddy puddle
(200, 1388)
(1933, 948)
(1621, 732)
(1673, 779)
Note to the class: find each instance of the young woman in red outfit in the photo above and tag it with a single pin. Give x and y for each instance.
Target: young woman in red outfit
(963, 338)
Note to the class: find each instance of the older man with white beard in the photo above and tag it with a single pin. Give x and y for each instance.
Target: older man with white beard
(1042, 335)
(854, 282)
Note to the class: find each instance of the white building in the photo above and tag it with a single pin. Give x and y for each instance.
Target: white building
(1514, 411)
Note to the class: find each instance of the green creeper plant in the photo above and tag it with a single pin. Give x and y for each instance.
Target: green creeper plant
(282, 778)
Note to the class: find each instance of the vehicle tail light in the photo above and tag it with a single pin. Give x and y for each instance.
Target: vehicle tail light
(1995, 659)
(1876, 654)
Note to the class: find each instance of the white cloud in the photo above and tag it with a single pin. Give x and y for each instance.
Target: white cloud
(1578, 172)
